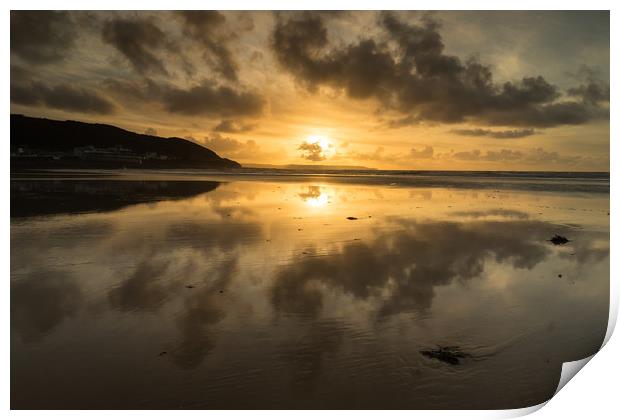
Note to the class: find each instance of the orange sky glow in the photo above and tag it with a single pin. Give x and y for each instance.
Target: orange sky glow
(405, 90)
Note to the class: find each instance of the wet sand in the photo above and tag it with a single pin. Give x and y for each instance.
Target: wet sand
(241, 291)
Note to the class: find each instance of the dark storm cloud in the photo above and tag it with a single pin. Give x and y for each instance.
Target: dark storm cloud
(550, 115)
(41, 37)
(204, 28)
(311, 151)
(65, 97)
(407, 70)
(131, 91)
(139, 41)
(208, 98)
(592, 88)
(592, 92)
(505, 134)
(402, 122)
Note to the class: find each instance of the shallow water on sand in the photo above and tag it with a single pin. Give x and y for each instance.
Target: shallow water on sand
(301, 292)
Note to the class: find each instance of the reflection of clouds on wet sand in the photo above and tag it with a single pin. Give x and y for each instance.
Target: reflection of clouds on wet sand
(305, 350)
(144, 289)
(41, 301)
(162, 260)
(199, 259)
(201, 310)
(205, 236)
(248, 287)
(505, 213)
(409, 263)
(34, 243)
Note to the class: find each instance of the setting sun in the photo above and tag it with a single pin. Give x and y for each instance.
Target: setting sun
(327, 148)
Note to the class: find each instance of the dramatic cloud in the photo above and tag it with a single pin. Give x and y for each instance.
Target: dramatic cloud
(402, 122)
(227, 144)
(138, 41)
(230, 126)
(208, 98)
(506, 134)
(203, 27)
(592, 89)
(65, 97)
(592, 92)
(407, 71)
(312, 151)
(41, 37)
(402, 89)
(244, 151)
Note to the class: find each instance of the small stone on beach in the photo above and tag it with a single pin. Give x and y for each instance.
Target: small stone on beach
(558, 240)
(450, 354)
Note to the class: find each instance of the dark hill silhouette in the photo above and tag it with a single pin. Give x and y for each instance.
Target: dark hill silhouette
(39, 142)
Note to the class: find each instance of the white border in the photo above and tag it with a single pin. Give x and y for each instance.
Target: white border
(594, 394)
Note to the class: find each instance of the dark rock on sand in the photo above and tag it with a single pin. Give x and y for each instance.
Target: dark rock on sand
(351, 218)
(558, 240)
(451, 354)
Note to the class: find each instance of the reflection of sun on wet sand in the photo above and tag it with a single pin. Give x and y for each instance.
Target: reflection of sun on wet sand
(314, 197)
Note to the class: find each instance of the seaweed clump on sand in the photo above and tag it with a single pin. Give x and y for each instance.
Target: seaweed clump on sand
(558, 240)
(450, 354)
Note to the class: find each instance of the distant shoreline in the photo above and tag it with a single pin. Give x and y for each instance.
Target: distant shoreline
(17, 166)
(579, 182)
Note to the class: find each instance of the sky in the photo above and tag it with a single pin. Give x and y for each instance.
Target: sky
(469, 90)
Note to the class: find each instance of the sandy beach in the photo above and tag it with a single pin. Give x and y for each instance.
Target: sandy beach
(302, 291)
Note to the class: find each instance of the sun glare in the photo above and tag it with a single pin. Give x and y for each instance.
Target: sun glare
(327, 148)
